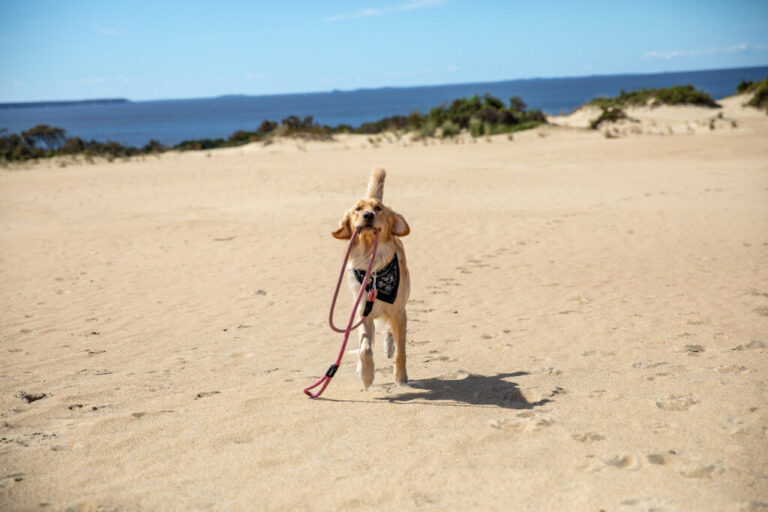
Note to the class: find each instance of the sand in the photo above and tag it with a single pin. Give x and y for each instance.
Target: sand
(588, 326)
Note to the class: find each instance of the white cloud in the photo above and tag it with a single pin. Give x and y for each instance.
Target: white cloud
(687, 54)
(367, 13)
(453, 69)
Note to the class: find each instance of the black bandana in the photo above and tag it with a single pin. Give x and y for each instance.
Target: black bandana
(387, 280)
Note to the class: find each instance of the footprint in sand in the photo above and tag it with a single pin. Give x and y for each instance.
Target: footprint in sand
(752, 345)
(692, 350)
(731, 368)
(26, 439)
(556, 390)
(31, 397)
(204, 394)
(588, 437)
(527, 421)
(661, 459)
(95, 371)
(432, 358)
(646, 504)
(700, 470)
(623, 462)
(754, 506)
(676, 403)
(618, 461)
(645, 364)
(11, 479)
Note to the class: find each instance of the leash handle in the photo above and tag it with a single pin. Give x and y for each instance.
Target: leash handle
(326, 379)
(362, 285)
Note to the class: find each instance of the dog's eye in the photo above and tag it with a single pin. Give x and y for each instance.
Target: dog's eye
(378, 208)
(358, 208)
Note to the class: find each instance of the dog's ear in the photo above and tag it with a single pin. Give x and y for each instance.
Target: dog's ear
(399, 226)
(345, 228)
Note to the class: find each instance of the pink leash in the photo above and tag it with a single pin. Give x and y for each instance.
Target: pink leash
(326, 379)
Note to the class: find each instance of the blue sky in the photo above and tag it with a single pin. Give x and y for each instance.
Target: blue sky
(187, 49)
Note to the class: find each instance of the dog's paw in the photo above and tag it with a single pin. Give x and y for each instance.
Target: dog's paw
(365, 367)
(401, 378)
(389, 345)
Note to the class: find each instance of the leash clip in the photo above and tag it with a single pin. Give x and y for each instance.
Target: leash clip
(332, 371)
(369, 300)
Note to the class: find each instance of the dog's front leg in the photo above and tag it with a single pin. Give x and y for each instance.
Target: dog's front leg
(365, 363)
(398, 330)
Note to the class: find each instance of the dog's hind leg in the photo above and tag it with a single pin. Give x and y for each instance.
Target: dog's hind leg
(398, 331)
(365, 362)
(389, 342)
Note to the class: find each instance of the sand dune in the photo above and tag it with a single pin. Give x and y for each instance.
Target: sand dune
(666, 120)
(588, 326)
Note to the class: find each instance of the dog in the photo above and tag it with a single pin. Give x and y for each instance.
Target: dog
(389, 271)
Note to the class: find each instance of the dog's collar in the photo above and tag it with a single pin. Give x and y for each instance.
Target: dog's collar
(386, 280)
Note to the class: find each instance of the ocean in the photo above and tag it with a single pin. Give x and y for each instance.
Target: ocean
(171, 121)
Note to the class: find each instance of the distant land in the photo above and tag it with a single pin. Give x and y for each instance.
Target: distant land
(47, 104)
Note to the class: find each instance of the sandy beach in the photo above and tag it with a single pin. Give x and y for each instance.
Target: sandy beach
(588, 325)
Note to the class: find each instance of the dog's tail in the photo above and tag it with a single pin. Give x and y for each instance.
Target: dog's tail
(376, 184)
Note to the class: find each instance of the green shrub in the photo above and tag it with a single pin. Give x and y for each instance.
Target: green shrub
(516, 104)
(266, 127)
(45, 136)
(611, 114)
(475, 127)
(73, 146)
(450, 129)
(428, 128)
(744, 86)
(678, 95)
(239, 137)
(492, 102)
(153, 147)
(759, 92)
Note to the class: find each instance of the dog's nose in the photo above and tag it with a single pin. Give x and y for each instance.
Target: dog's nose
(368, 216)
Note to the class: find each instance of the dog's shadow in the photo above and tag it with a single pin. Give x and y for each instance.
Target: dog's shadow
(471, 390)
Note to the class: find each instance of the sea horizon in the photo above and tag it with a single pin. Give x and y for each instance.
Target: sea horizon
(170, 121)
(6, 104)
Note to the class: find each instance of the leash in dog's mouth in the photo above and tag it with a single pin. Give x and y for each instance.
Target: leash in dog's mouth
(326, 379)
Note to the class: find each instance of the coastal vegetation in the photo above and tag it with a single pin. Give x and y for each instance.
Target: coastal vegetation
(476, 115)
(611, 115)
(678, 95)
(479, 115)
(759, 91)
(45, 141)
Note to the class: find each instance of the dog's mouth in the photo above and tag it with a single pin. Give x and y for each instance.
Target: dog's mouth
(367, 226)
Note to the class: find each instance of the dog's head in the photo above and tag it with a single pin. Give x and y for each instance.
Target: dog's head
(370, 214)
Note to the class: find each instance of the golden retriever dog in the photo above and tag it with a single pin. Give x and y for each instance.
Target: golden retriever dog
(389, 275)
